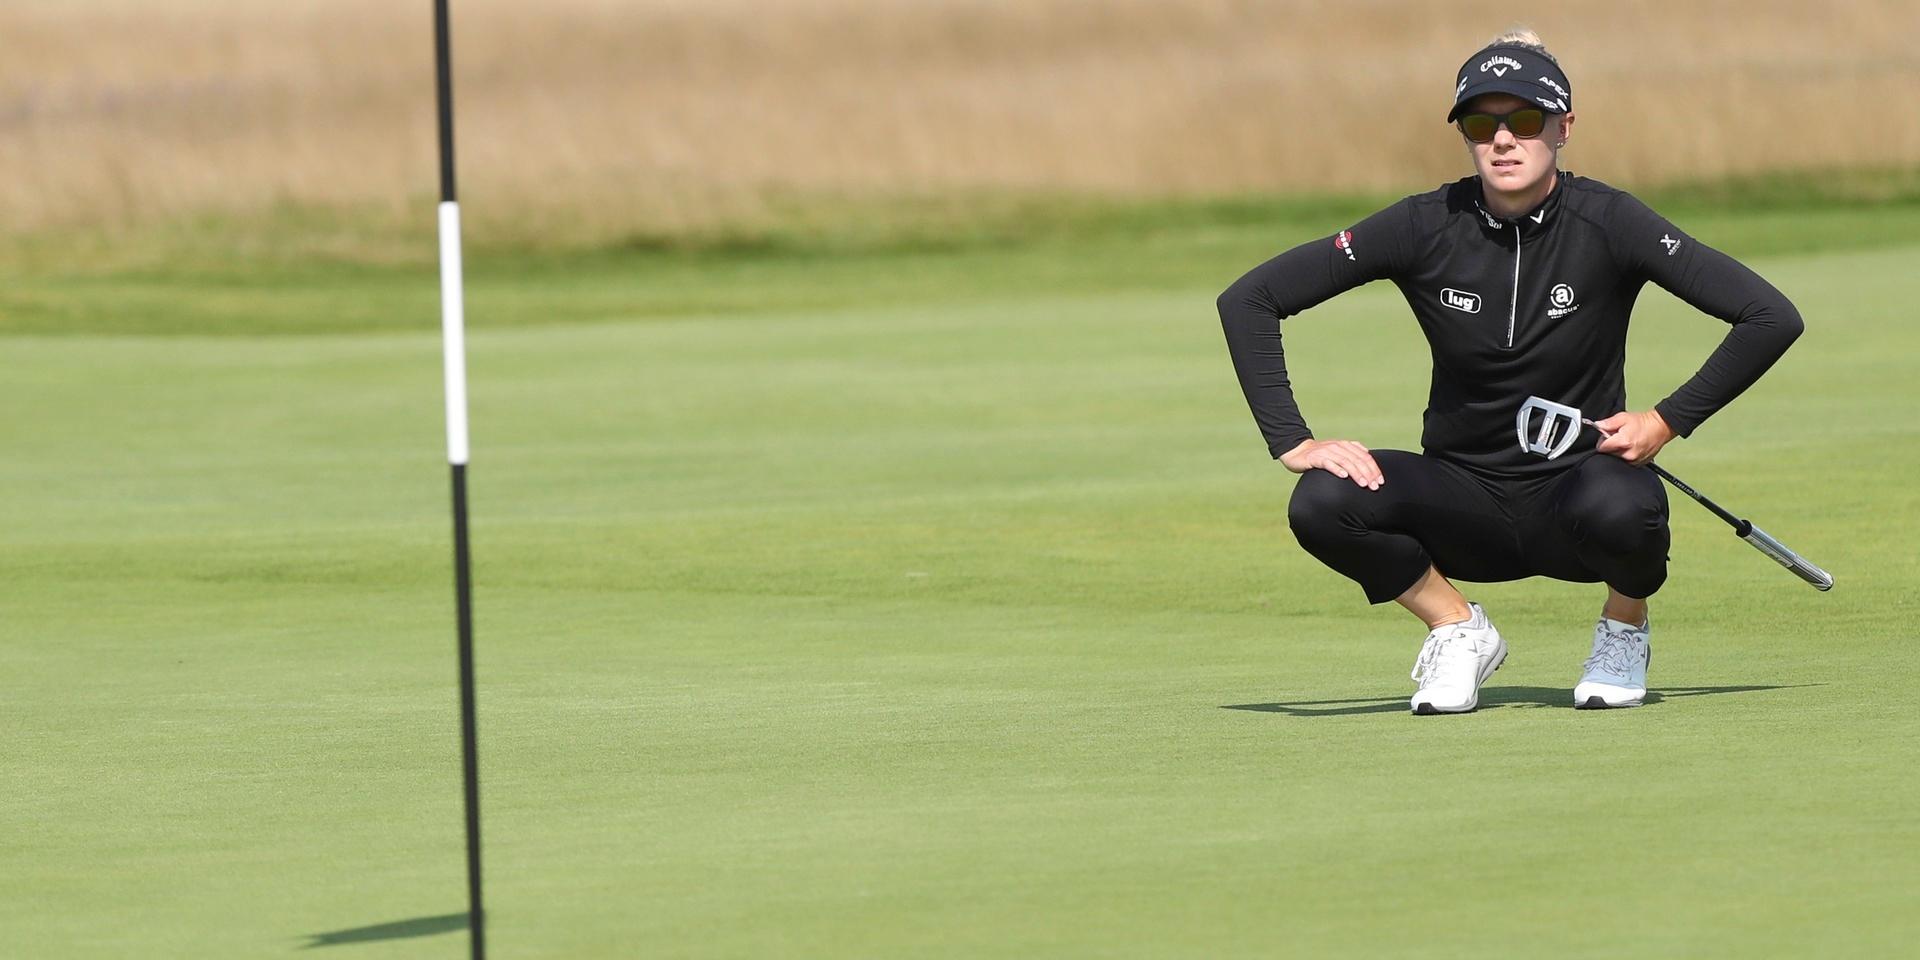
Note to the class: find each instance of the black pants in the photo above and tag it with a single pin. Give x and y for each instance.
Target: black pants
(1601, 519)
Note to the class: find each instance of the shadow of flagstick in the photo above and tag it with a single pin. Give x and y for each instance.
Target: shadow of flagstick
(397, 930)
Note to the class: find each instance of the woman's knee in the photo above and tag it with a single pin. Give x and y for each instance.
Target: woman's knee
(1321, 504)
(1614, 502)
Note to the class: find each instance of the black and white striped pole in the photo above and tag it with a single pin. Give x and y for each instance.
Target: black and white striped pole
(453, 327)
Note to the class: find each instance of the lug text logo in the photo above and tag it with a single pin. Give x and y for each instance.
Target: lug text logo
(1461, 300)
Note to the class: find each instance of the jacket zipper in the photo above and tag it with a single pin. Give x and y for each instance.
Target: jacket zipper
(1513, 303)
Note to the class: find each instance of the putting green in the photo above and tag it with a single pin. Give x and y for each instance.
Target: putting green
(966, 623)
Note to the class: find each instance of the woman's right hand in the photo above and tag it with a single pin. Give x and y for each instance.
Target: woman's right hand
(1342, 458)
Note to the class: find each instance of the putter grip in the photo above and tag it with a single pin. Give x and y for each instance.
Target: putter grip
(1820, 579)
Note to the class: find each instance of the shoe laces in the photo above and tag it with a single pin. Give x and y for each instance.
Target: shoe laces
(1442, 644)
(1615, 652)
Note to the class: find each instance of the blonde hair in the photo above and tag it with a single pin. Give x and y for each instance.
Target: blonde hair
(1519, 36)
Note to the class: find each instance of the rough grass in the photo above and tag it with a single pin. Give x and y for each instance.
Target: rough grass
(590, 121)
(312, 272)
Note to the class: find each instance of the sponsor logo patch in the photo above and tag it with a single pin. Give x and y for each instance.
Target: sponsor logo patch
(1344, 240)
(1460, 300)
(1557, 106)
(1673, 246)
(1500, 65)
(1561, 296)
(1556, 87)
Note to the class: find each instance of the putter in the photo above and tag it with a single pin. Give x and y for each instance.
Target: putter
(1557, 426)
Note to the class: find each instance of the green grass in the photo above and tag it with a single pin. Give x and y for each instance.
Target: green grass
(930, 603)
(337, 271)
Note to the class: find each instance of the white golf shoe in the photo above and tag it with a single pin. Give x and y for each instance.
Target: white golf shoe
(1616, 674)
(1456, 659)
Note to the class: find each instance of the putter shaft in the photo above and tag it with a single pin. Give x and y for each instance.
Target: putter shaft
(1744, 529)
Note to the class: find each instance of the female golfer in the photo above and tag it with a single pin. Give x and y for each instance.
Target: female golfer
(1522, 277)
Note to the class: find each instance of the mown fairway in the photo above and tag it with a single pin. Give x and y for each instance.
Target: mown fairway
(963, 623)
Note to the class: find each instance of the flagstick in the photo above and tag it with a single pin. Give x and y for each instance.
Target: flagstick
(453, 335)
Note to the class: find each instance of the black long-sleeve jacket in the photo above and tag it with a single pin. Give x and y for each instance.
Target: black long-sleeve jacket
(1533, 306)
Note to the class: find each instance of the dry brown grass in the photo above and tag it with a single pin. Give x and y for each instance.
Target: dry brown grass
(593, 118)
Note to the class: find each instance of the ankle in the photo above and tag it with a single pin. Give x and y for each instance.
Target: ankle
(1435, 621)
(1623, 613)
(1623, 608)
(1434, 601)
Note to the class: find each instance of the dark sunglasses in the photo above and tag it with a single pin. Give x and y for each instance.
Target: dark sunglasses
(1525, 124)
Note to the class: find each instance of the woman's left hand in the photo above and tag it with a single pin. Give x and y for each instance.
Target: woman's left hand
(1634, 437)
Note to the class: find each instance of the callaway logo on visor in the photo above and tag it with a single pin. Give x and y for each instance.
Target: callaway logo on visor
(1516, 70)
(1500, 65)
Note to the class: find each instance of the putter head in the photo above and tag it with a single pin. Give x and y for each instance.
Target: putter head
(1547, 428)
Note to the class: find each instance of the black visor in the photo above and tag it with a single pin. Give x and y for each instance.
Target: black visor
(1506, 68)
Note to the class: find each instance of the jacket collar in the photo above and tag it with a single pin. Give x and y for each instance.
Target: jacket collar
(1533, 221)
